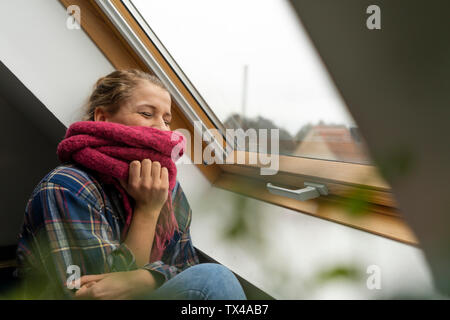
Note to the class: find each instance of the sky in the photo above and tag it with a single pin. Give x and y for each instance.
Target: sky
(213, 40)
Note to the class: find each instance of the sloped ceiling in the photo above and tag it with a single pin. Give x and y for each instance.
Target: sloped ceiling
(29, 134)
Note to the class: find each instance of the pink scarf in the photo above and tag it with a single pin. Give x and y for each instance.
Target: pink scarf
(108, 148)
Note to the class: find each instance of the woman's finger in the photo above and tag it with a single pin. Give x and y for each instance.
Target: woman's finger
(83, 293)
(156, 172)
(91, 277)
(164, 176)
(90, 284)
(146, 172)
(134, 173)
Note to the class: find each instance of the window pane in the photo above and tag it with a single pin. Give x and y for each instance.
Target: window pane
(254, 65)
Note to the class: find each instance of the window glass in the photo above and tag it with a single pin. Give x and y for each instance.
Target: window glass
(255, 67)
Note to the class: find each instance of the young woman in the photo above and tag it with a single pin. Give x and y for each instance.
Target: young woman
(77, 221)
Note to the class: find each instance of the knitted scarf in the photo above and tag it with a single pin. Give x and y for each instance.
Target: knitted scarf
(108, 148)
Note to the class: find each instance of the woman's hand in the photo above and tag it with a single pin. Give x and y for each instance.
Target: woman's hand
(116, 285)
(148, 184)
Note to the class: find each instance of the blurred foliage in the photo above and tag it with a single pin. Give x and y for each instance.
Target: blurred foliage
(246, 227)
(396, 164)
(357, 202)
(341, 272)
(245, 224)
(11, 293)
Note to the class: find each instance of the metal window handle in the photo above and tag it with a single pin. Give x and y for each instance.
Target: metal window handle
(311, 191)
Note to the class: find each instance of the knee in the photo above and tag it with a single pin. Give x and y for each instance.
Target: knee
(216, 271)
(220, 282)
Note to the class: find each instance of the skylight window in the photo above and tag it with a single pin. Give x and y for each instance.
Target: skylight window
(255, 67)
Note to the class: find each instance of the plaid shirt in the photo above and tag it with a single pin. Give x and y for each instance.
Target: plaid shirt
(73, 219)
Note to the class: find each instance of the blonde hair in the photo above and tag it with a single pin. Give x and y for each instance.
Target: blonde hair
(113, 89)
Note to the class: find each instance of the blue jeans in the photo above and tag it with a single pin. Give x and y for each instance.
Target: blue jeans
(205, 281)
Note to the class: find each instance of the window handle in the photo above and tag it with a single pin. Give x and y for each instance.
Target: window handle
(311, 191)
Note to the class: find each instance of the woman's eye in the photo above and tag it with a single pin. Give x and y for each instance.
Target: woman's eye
(146, 114)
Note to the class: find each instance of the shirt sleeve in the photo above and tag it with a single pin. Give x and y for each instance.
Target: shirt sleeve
(65, 228)
(180, 253)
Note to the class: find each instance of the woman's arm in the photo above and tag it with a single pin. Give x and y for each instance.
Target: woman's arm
(180, 253)
(148, 184)
(126, 285)
(65, 227)
(141, 234)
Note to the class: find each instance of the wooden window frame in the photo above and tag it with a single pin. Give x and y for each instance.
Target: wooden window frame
(381, 216)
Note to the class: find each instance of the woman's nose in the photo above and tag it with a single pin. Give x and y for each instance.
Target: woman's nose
(160, 126)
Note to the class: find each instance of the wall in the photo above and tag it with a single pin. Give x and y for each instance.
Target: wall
(25, 157)
(59, 66)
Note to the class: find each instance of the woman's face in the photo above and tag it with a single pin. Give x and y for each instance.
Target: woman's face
(149, 106)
